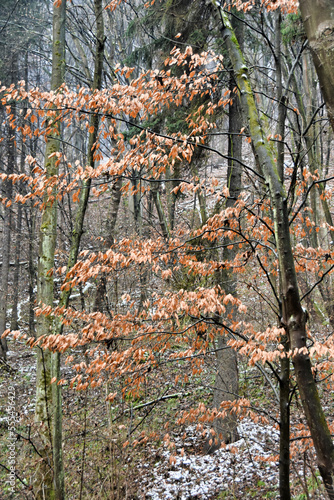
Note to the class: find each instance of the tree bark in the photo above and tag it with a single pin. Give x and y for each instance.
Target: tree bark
(226, 386)
(49, 479)
(100, 302)
(73, 253)
(166, 232)
(7, 222)
(284, 382)
(30, 219)
(318, 19)
(18, 237)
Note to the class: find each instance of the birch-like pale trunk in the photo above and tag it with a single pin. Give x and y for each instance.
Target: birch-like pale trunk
(294, 316)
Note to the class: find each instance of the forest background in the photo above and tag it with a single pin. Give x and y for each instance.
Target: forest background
(167, 247)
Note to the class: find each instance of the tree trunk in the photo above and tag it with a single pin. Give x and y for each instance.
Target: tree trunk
(16, 282)
(7, 220)
(226, 386)
(101, 290)
(49, 482)
(30, 219)
(6, 241)
(284, 441)
(325, 288)
(73, 253)
(284, 383)
(160, 211)
(15, 301)
(172, 196)
(318, 19)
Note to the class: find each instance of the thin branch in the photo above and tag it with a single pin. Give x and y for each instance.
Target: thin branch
(18, 477)
(155, 401)
(317, 282)
(320, 181)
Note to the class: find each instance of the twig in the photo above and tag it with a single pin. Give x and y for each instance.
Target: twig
(7, 366)
(317, 282)
(155, 401)
(149, 411)
(84, 448)
(18, 477)
(30, 441)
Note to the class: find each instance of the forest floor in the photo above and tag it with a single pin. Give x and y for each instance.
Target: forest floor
(99, 466)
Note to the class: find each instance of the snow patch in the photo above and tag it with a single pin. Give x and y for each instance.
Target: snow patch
(201, 476)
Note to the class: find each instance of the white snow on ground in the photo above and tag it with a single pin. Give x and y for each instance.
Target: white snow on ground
(202, 476)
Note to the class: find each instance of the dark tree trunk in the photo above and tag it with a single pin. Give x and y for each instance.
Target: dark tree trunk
(6, 241)
(16, 282)
(284, 383)
(30, 218)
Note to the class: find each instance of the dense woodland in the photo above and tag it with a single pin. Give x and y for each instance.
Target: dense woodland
(167, 254)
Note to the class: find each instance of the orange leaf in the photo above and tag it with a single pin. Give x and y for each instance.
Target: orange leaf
(76, 196)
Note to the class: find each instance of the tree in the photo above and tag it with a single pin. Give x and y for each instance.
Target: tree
(7, 222)
(74, 250)
(227, 383)
(46, 484)
(293, 315)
